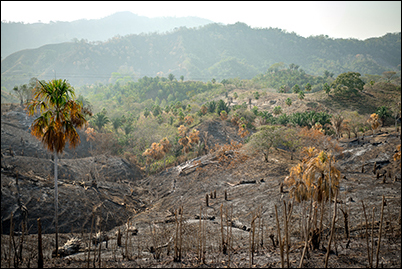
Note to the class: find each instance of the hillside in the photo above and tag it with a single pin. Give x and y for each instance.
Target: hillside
(17, 36)
(212, 51)
(115, 192)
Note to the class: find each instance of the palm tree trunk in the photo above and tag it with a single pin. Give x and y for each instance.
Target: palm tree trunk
(56, 201)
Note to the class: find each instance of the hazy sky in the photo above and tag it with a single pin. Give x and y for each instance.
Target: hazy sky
(337, 19)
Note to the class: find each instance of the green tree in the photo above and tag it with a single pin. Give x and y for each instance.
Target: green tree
(100, 120)
(181, 78)
(283, 88)
(171, 77)
(235, 95)
(267, 137)
(116, 123)
(288, 101)
(156, 110)
(255, 110)
(327, 88)
(180, 114)
(301, 95)
(128, 127)
(57, 123)
(308, 87)
(291, 140)
(146, 112)
(84, 102)
(296, 89)
(349, 82)
(277, 110)
(383, 113)
(256, 95)
(221, 106)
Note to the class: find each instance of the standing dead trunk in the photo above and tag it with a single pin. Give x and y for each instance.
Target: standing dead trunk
(56, 197)
(379, 237)
(367, 240)
(279, 236)
(40, 252)
(332, 232)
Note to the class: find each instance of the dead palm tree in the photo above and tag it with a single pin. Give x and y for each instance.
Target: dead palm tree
(166, 146)
(336, 121)
(57, 123)
(316, 177)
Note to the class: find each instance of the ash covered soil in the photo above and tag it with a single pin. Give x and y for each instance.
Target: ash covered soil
(110, 192)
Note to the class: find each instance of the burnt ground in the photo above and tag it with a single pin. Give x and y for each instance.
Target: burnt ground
(112, 191)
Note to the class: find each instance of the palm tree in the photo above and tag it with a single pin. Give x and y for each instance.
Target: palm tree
(308, 87)
(116, 122)
(301, 95)
(100, 120)
(336, 121)
(296, 89)
(277, 110)
(166, 146)
(57, 123)
(374, 121)
(383, 113)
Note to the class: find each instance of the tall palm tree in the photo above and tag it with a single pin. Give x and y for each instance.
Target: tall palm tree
(57, 123)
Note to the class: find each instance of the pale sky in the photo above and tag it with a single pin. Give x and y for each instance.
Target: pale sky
(337, 19)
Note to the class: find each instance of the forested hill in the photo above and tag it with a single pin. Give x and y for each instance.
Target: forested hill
(212, 51)
(17, 36)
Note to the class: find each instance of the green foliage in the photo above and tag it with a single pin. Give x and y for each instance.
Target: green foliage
(248, 52)
(289, 140)
(383, 113)
(222, 106)
(116, 123)
(288, 101)
(256, 95)
(211, 106)
(255, 110)
(99, 120)
(146, 112)
(283, 119)
(171, 77)
(308, 87)
(327, 88)
(266, 138)
(348, 83)
(156, 110)
(300, 95)
(277, 110)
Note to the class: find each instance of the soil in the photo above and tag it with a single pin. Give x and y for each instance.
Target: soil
(114, 194)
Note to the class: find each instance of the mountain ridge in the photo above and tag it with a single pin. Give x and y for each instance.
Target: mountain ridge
(17, 36)
(211, 51)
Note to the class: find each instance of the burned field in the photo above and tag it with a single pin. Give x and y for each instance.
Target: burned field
(219, 210)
